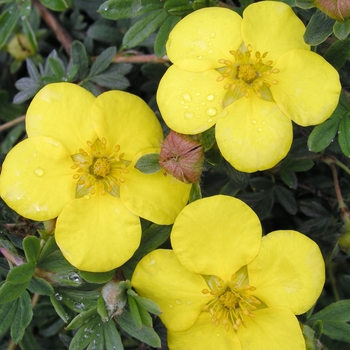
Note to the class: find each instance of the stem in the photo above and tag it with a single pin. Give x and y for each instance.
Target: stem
(12, 123)
(35, 299)
(333, 282)
(12, 345)
(138, 58)
(337, 187)
(341, 165)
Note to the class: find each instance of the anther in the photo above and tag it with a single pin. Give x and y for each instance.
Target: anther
(76, 176)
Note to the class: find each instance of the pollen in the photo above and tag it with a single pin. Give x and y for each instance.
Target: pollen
(101, 167)
(248, 74)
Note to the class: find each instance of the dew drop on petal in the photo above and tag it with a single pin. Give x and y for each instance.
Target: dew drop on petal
(188, 115)
(187, 97)
(178, 301)
(210, 97)
(212, 111)
(86, 197)
(253, 121)
(171, 305)
(151, 262)
(260, 129)
(209, 120)
(39, 172)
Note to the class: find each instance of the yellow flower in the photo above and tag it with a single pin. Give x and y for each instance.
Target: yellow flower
(78, 164)
(224, 287)
(250, 76)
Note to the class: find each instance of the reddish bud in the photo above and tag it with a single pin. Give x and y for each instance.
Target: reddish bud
(182, 157)
(336, 9)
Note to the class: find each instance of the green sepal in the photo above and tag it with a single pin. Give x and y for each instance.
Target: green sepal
(148, 164)
(81, 319)
(144, 28)
(31, 246)
(23, 317)
(319, 28)
(101, 309)
(342, 29)
(11, 291)
(148, 305)
(134, 310)
(97, 277)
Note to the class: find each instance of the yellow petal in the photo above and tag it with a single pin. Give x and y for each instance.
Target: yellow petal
(308, 87)
(62, 111)
(271, 329)
(37, 179)
(289, 271)
(190, 102)
(253, 134)
(160, 277)
(216, 236)
(156, 197)
(124, 119)
(273, 27)
(204, 335)
(97, 233)
(199, 40)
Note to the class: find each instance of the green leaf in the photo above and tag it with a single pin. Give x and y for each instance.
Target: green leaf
(338, 53)
(23, 316)
(335, 318)
(342, 29)
(28, 341)
(144, 28)
(57, 5)
(148, 164)
(21, 273)
(208, 138)
(33, 71)
(148, 305)
(80, 58)
(85, 334)
(31, 246)
(81, 319)
(286, 198)
(112, 337)
(297, 165)
(195, 192)
(134, 310)
(101, 309)
(305, 4)
(323, 134)
(10, 291)
(8, 20)
(111, 81)
(7, 313)
(40, 286)
(103, 61)
(145, 334)
(56, 67)
(118, 9)
(344, 135)
(163, 35)
(319, 28)
(28, 31)
(60, 310)
(260, 202)
(97, 277)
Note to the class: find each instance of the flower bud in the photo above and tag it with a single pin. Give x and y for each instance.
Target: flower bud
(114, 295)
(16, 260)
(336, 9)
(344, 242)
(20, 47)
(182, 157)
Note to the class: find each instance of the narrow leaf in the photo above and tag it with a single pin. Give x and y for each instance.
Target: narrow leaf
(344, 135)
(338, 53)
(103, 61)
(8, 21)
(112, 337)
(97, 277)
(29, 32)
(149, 305)
(10, 291)
(57, 5)
(134, 310)
(56, 67)
(7, 313)
(81, 319)
(31, 246)
(60, 310)
(163, 35)
(80, 58)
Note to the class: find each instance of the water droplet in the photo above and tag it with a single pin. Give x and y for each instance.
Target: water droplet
(86, 197)
(187, 97)
(151, 262)
(218, 334)
(178, 301)
(260, 129)
(75, 277)
(209, 120)
(212, 111)
(199, 57)
(185, 107)
(188, 302)
(39, 172)
(171, 305)
(197, 93)
(253, 121)
(79, 306)
(263, 122)
(188, 115)
(213, 35)
(58, 296)
(210, 97)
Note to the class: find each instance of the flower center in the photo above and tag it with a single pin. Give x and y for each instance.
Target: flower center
(232, 302)
(247, 74)
(99, 170)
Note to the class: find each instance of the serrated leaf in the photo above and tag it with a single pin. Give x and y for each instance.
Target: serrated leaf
(286, 198)
(342, 29)
(57, 5)
(338, 53)
(23, 316)
(31, 246)
(21, 274)
(118, 9)
(80, 58)
(163, 35)
(322, 135)
(148, 164)
(344, 135)
(10, 291)
(97, 277)
(102, 61)
(7, 313)
(319, 28)
(145, 334)
(334, 318)
(8, 21)
(144, 28)
(112, 337)
(40, 286)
